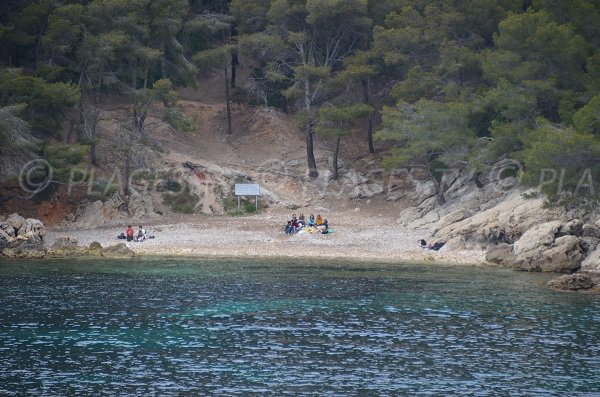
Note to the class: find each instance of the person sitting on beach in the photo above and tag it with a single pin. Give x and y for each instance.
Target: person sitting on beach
(319, 220)
(422, 243)
(436, 246)
(129, 232)
(295, 224)
(311, 220)
(301, 220)
(325, 227)
(141, 234)
(289, 229)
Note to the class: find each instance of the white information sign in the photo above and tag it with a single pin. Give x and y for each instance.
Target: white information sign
(247, 189)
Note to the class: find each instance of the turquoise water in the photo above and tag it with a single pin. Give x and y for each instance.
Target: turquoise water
(216, 327)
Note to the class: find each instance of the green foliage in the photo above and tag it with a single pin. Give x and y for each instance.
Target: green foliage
(337, 121)
(427, 130)
(64, 159)
(179, 120)
(587, 119)
(47, 102)
(562, 163)
(184, 202)
(211, 58)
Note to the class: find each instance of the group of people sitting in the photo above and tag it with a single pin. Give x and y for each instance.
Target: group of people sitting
(310, 225)
(132, 235)
(431, 246)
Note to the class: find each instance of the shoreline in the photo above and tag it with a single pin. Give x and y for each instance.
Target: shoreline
(262, 236)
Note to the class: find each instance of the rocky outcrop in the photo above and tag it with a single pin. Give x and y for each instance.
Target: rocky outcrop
(99, 213)
(576, 282)
(500, 254)
(21, 248)
(484, 227)
(22, 238)
(65, 247)
(592, 262)
(119, 251)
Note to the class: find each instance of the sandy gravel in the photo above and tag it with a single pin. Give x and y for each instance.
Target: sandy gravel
(354, 237)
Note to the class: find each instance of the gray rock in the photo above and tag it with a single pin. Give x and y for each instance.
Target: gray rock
(375, 188)
(429, 218)
(4, 239)
(571, 228)
(456, 243)
(573, 282)
(591, 231)
(32, 228)
(8, 229)
(425, 190)
(500, 254)
(95, 246)
(25, 249)
(119, 251)
(408, 215)
(536, 237)
(564, 255)
(428, 205)
(15, 220)
(592, 262)
(65, 242)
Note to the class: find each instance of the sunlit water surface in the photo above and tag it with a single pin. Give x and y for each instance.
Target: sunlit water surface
(216, 327)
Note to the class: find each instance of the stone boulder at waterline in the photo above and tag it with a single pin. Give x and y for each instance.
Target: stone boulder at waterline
(22, 238)
(576, 282)
(118, 251)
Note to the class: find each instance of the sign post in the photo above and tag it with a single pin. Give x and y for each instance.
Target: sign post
(247, 189)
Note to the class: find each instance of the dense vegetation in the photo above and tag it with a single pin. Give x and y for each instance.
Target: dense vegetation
(449, 83)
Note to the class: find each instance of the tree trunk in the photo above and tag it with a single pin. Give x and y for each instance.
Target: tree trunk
(128, 163)
(234, 63)
(227, 101)
(93, 156)
(439, 189)
(335, 158)
(310, 155)
(366, 83)
(234, 53)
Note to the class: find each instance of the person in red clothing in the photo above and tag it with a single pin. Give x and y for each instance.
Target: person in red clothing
(129, 233)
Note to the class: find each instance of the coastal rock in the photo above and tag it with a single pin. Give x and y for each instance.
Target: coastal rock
(429, 218)
(95, 246)
(32, 228)
(456, 243)
(65, 242)
(4, 239)
(571, 228)
(573, 282)
(425, 190)
(502, 221)
(119, 251)
(537, 237)
(16, 221)
(564, 255)
(500, 254)
(408, 215)
(97, 213)
(590, 231)
(592, 262)
(8, 229)
(25, 249)
(67, 252)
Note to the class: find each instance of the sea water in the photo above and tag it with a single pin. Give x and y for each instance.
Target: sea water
(182, 327)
